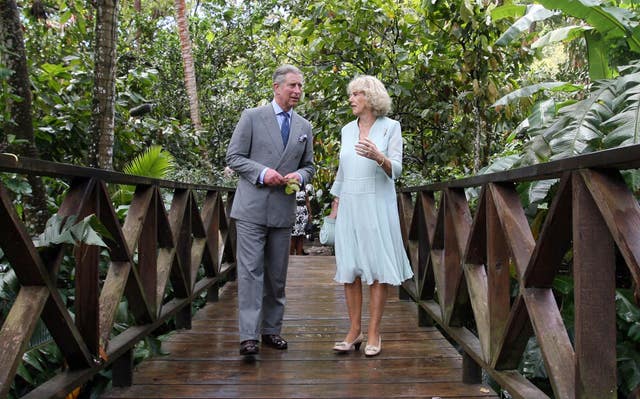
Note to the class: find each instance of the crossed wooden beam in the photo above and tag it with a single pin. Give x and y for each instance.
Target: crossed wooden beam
(468, 262)
(150, 250)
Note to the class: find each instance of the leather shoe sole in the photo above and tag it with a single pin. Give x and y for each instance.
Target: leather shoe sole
(274, 341)
(249, 347)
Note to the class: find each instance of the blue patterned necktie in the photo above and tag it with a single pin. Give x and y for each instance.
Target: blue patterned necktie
(284, 129)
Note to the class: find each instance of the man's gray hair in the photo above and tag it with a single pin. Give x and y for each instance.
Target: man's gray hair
(283, 70)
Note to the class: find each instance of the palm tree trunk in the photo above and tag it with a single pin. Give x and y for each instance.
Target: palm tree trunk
(102, 123)
(14, 56)
(137, 7)
(189, 68)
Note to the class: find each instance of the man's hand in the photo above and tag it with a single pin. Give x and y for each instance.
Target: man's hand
(293, 175)
(273, 178)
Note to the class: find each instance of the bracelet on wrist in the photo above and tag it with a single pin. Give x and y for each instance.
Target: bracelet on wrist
(381, 162)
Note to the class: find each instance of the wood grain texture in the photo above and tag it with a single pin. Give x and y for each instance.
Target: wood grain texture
(415, 362)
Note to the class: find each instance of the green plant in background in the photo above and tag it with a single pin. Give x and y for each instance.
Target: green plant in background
(154, 162)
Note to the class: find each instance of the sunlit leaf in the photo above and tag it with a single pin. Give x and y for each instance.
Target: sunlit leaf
(535, 13)
(566, 33)
(529, 91)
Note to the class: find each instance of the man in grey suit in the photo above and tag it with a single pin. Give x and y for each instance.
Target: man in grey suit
(271, 145)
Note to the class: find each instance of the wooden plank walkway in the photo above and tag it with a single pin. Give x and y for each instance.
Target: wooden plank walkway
(415, 362)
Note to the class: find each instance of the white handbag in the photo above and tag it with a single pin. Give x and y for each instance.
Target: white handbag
(328, 231)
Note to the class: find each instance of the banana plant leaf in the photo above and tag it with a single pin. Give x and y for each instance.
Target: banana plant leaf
(536, 150)
(577, 129)
(535, 13)
(611, 22)
(598, 54)
(508, 11)
(624, 125)
(564, 34)
(542, 114)
(528, 91)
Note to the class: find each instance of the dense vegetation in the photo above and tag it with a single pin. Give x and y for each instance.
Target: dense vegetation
(478, 85)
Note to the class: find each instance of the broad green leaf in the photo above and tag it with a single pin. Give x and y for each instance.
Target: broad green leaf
(535, 13)
(508, 11)
(612, 22)
(537, 190)
(56, 232)
(628, 362)
(625, 309)
(25, 374)
(33, 359)
(532, 365)
(624, 125)
(634, 332)
(500, 164)
(563, 284)
(528, 91)
(542, 114)
(598, 54)
(83, 232)
(566, 33)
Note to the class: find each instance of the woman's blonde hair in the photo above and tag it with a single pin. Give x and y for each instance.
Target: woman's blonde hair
(374, 91)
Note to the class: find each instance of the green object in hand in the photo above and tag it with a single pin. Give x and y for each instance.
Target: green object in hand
(292, 186)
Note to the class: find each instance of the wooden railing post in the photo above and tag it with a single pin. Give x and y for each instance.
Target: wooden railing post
(594, 292)
(403, 294)
(183, 318)
(213, 293)
(122, 370)
(471, 371)
(424, 319)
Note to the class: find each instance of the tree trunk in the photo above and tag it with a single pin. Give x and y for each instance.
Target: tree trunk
(137, 7)
(189, 68)
(477, 142)
(102, 122)
(14, 56)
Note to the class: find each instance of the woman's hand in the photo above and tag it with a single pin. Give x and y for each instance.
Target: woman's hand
(334, 208)
(368, 149)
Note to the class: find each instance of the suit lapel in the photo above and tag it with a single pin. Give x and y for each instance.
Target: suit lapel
(272, 128)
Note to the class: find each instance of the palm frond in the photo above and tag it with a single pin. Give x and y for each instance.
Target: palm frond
(154, 162)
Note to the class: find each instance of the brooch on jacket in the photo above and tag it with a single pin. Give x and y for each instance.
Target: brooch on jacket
(302, 138)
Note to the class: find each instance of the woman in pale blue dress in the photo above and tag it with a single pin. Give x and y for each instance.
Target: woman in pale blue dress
(368, 240)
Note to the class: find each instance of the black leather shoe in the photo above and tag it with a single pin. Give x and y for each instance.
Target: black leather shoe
(274, 341)
(249, 347)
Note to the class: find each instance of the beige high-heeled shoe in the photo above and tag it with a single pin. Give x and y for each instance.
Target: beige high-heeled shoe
(373, 350)
(345, 346)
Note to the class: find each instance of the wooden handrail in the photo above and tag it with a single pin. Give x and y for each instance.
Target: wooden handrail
(464, 262)
(170, 247)
(463, 257)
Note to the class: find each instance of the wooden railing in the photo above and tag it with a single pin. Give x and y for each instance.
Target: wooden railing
(461, 259)
(190, 247)
(462, 262)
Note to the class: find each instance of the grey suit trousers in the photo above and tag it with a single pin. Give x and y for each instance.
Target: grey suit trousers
(262, 260)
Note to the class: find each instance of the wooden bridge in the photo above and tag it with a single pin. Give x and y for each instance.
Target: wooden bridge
(484, 274)
(203, 362)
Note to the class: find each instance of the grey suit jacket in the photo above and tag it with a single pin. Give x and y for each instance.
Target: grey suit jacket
(256, 143)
